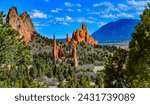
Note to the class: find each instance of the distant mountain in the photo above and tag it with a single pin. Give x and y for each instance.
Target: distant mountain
(120, 30)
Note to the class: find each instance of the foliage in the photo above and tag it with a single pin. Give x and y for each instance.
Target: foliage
(116, 74)
(15, 58)
(139, 52)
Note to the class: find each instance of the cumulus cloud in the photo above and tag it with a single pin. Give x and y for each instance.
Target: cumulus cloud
(38, 14)
(69, 4)
(137, 3)
(100, 24)
(70, 10)
(57, 10)
(68, 18)
(78, 10)
(39, 24)
(123, 6)
(84, 20)
(119, 15)
(65, 23)
(107, 4)
(128, 9)
(90, 20)
(138, 6)
(64, 20)
(59, 19)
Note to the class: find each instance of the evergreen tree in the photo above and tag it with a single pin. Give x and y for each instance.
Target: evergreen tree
(12, 52)
(116, 74)
(139, 52)
(15, 56)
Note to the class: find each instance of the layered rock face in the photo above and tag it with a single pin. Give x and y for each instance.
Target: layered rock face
(81, 35)
(22, 24)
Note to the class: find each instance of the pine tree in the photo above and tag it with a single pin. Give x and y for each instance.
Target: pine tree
(116, 75)
(13, 55)
(139, 52)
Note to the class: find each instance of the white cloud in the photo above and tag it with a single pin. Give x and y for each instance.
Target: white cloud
(78, 5)
(109, 16)
(125, 15)
(78, 10)
(84, 20)
(90, 20)
(59, 19)
(137, 3)
(57, 10)
(129, 9)
(68, 4)
(123, 6)
(65, 23)
(94, 13)
(38, 14)
(139, 6)
(100, 24)
(70, 10)
(107, 7)
(38, 24)
(68, 18)
(107, 4)
(119, 15)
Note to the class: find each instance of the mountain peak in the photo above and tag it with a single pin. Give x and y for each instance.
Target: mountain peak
(119, 30)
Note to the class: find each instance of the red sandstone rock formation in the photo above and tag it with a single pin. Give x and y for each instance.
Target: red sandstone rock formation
(58, 50)
(55, 49)
(81, 35)
(22, 24)
(61, 52)
(67, 38)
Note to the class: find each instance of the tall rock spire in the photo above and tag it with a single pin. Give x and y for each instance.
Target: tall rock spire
(67, 38)
(22, 23)
(55, 49)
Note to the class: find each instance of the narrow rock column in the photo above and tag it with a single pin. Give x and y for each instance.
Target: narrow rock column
(55, 49)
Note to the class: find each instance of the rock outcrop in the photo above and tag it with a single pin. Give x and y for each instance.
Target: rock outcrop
(55, 49)
(68, 39)
(22, 24)
(59, 52)
(81, 35)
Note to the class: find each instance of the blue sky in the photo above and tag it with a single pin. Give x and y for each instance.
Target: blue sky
(62, 17)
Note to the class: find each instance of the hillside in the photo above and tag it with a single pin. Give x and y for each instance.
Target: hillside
(120, 30)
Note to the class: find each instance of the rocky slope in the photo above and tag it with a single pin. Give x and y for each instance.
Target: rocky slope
(22, 24)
